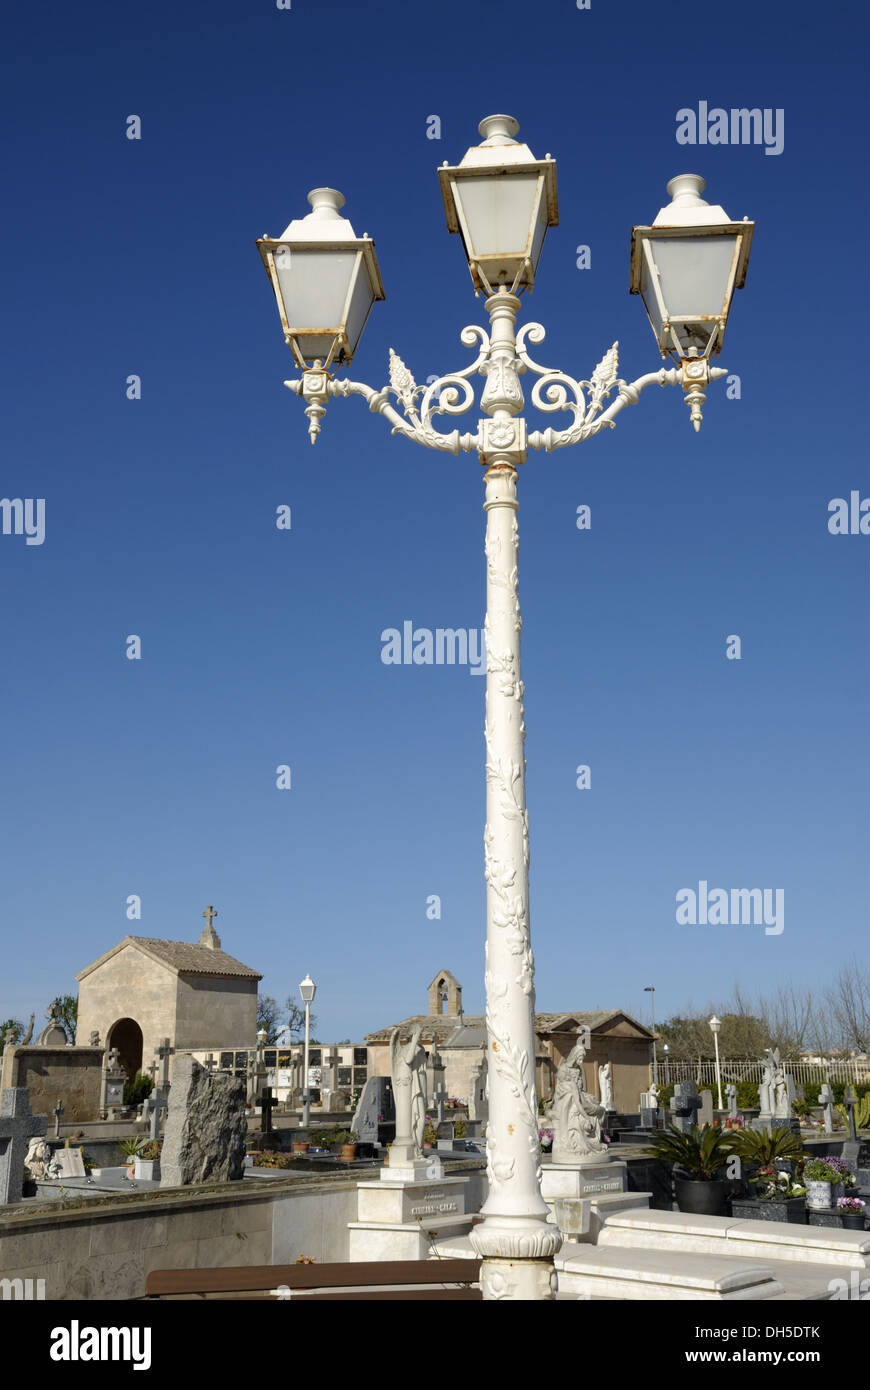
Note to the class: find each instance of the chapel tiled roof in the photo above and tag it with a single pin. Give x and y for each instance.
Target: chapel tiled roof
(438, 1027)
(195, 960)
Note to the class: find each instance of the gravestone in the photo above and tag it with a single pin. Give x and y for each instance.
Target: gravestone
(114, 1080)
(365, 1117)
(440, 1098)
(684, 1106)
(478, 1102)
(851, 1101)
(66, 1163)
(17, 1127)
(731, 1097)
(826, 1098)
(851, 1154)
(54, 1033)
(447, 1141)
(705, 1112)
(155, 1104)
(648, 1110)
(204, 1140)
(267, 1103)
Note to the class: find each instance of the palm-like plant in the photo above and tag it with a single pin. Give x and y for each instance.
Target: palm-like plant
(759, 1146)
(702, 1153)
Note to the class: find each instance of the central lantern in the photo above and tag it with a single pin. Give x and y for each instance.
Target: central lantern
(501, 200)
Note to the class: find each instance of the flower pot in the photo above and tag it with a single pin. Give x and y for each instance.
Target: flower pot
(300, 1147)
(130, 1170)
(853, 1220)
(348, 1152)
(148, 1169)
(701, 1198)
(819, 1195)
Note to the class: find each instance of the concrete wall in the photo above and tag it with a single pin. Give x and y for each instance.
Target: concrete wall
(69, 1074)
(106, 1249)
(215, 1012)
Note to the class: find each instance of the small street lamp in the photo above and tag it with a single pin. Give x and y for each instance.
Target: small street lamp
(715, 1025)
(651, 991)
(667, 1051)
(501, 201)
(307, 990)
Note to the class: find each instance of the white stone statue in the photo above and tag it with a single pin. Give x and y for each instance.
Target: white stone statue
(37, 1159)
(408, 1070)
(605, 1085)
(575, 1115)
(781, 1098)
(765, 1085)
(653, 1094)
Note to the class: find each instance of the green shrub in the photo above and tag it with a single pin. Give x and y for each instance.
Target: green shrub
(135, 1091)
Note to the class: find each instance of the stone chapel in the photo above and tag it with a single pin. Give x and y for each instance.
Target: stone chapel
(145, 990)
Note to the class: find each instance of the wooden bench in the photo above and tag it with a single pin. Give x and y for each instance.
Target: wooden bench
(388, 1279)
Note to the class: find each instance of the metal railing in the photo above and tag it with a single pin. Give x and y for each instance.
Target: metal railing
(735, 1069)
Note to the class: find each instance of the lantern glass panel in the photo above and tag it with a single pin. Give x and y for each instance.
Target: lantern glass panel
(499, 213)
(361, 301)
(694, 274)
(314, 287)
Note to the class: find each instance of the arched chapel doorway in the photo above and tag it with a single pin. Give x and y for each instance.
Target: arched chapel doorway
(126, 1036)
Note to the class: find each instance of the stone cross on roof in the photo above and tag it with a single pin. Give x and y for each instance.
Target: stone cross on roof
(208, 936)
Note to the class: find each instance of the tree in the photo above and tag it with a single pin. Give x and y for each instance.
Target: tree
(11, 1032)
(68, 1006)
(296, 1020)
(849, 1003)
(269, 1017)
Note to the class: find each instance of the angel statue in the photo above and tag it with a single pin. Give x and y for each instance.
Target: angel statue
(408, 1070)
(575, 1115)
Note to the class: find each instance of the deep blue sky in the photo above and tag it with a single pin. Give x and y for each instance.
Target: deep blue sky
(262, 647)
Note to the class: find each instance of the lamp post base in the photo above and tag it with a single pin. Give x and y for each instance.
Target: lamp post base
(518, 1280)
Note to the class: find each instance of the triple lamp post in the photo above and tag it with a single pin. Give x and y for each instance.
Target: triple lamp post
(686, 267)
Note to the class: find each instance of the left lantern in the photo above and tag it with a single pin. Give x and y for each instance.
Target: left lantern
(325, 279)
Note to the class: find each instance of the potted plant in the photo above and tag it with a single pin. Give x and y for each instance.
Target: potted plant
(546, 1138)
(845, 1174)
(852, 1210)
(430, 1136)
(698, 1157)
(822, 1183)
(322, 1140)
(146, 1161)
(131, 1148)
(775, 1197)
(348, 1139)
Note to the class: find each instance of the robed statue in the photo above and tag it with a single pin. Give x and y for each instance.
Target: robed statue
(408, 1070)
(575, 1115)
(605, 1085)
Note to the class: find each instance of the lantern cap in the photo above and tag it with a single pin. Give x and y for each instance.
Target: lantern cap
(324, 222)
(687, 208)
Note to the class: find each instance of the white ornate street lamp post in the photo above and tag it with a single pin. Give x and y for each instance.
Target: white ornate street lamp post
(501, 200)
(715, 1025)
(307, 990)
